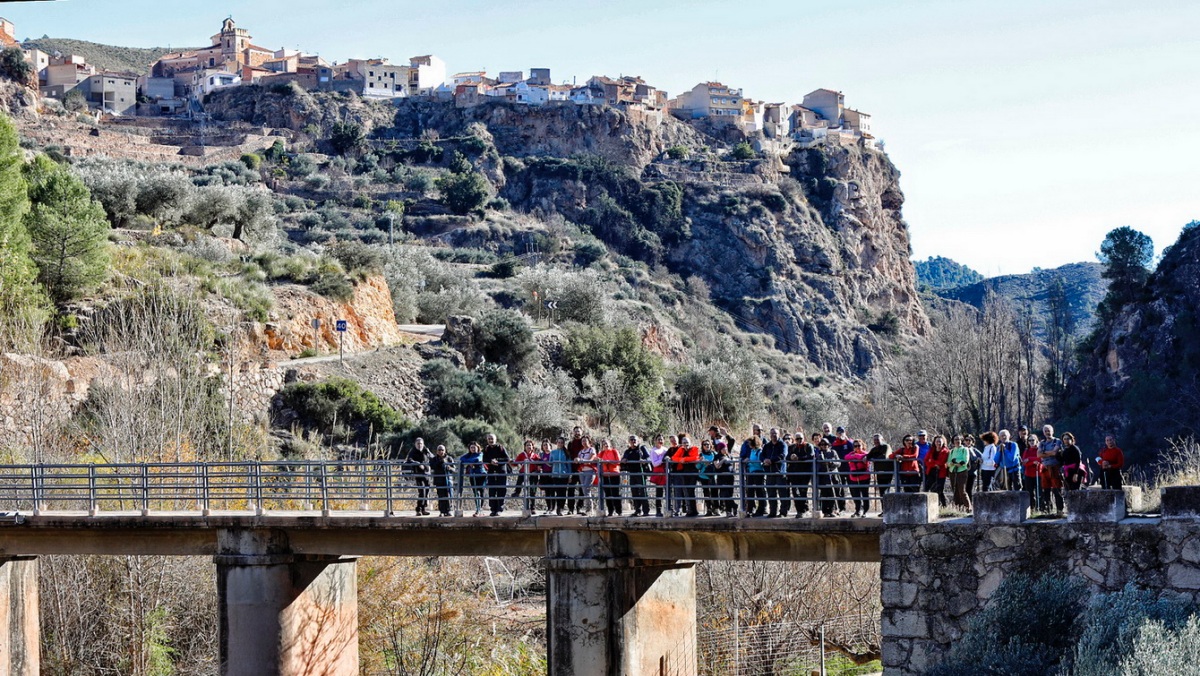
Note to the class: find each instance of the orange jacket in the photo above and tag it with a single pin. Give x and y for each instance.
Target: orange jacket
(610, 461)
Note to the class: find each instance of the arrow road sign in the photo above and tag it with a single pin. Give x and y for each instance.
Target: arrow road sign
(551, 305)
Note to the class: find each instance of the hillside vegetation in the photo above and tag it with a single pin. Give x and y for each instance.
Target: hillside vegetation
(938, 272)
(1082, 289)
(106, 57)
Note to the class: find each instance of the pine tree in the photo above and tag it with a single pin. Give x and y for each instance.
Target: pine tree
(68, 229)
(22, 304)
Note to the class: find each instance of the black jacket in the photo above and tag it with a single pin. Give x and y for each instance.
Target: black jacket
(635, 461)
(495, 453)
(417, 460)
(776, 453)
(441, 467)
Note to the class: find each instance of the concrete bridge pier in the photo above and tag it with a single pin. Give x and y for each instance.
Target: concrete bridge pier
(20, 637)
(610, 614)
(283, 613)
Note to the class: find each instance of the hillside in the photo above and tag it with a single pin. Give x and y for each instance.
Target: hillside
(1138, 372)
(106, 57)
(1029, 292)
(937, 272)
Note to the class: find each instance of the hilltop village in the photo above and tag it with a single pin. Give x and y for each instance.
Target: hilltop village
(178, 83)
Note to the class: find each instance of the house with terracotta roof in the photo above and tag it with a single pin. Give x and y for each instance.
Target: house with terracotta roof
(231, 49)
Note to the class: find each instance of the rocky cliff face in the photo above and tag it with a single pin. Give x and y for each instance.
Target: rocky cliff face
(370, 320)
(1139, 377)
(815, 254)
(628, 137)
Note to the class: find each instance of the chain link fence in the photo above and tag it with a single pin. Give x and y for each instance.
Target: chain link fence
(790, 648)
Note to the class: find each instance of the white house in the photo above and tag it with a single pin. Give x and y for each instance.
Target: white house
(425, 74)
(385, 80)
(207, 81)
(709, 100)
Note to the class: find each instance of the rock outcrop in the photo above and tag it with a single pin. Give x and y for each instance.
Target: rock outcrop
(1138, 379)
(370, 320)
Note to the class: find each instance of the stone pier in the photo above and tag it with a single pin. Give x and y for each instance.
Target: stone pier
(283, 613)
(20, 638)
(611, 614)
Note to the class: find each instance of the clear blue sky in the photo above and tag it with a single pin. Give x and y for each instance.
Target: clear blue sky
(1025, 130)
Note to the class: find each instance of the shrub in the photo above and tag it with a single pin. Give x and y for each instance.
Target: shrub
(505, 268)
(454, 392)
(346, 137)
(1025, 629)
(334, 285)
(589, 251)
(463, 193)
(276, 153)
(580, 295)
(677, 152)
(359, 257)
(591, 351)
(342, 402)
(504, 337)
(706, 392)
(251, 160)
(1160, 650)
(541, 408)
(1112, 623)
(743, 151)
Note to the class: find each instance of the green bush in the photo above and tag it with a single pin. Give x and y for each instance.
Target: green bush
(505, 268)
(334, 285)
(504, 337)
(677, 152)
(463, 193)
(1026, 629)
(1109, 627)
(345, 404)
(743, 151)
(591, 351)
(589, 251)
(1160, 650)
(358, 257)
(251, 160)
(14, 67)
(347, 137)
(454, 392)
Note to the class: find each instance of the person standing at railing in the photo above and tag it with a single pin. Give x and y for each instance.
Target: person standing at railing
(683, 475)
(756, 503)
(610, 477)
(1008, 476)
(541, 476)
(574, 446)
(722, 469)
(908, 467)
(799, 471)
(472, 468)
(827, 462)
(495, 465)
(1050, 455)
(658, 471)
(705, 478)
(1073, 468)
(635, 465)
(858, 478)
(441, 467)
(958, 465)
(884, 469)
(973, 467)
(935, 469)
(1111, 461)
(990, 461)
(842, 444)
(1033, 469)
(416, 464)
(527, 474)
(561, 471)
(585, 464)
(774, 453)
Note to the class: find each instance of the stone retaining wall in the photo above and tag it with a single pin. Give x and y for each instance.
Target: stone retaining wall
(936, 575)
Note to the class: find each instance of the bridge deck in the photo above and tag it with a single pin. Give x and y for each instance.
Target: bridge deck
(351, 533)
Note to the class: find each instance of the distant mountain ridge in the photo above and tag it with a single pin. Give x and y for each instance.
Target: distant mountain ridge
(1084, 286)
(106, 57)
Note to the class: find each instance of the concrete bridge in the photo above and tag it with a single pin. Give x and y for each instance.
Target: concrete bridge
(621, 591)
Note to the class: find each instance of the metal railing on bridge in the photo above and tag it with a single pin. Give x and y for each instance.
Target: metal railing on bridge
(734, 489)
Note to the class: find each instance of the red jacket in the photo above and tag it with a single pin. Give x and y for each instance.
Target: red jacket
(685, 458)
(1113, 456)
(935, 461)
(1033, 466)
(907, 456)
(610, 461)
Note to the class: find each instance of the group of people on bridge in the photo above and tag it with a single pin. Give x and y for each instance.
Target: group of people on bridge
(768, 474)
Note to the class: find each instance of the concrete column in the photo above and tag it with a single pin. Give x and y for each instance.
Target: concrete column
(20, 637)
(281, 613)
(612, 615)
